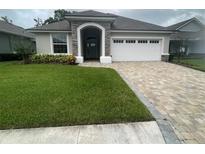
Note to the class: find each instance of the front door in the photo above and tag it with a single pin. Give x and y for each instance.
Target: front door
(91, 49)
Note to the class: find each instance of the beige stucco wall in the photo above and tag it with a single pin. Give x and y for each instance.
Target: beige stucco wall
(43, 45)
(165, 37)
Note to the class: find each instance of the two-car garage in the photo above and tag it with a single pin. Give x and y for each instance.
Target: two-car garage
(136, 49)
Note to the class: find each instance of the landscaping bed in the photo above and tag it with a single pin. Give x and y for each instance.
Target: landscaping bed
(42, 95)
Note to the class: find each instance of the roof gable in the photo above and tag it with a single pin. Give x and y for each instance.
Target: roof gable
(191, 27)
(187, 25)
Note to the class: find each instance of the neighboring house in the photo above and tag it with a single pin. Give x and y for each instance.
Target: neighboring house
(103, 36)
(188, 36)
(11, 35)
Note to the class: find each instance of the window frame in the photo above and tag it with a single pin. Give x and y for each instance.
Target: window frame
(66, 43)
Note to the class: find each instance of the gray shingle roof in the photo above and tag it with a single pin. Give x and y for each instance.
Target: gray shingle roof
(123, 23)
(13, 29)
(59, 26)
(91, 13)
(120, 23)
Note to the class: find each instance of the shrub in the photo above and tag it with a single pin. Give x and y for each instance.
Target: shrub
(71, 59)
(53, 59)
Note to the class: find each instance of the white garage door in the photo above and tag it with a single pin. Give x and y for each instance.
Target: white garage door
(136, 49)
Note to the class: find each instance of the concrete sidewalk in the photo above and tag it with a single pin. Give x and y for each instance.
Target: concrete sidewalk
(138, 132)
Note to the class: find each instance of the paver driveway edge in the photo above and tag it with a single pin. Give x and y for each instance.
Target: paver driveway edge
(167, 131)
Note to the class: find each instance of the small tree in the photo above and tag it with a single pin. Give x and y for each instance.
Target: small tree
(24, 48)
(38, 22)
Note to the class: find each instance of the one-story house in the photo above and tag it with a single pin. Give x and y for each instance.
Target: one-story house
(188, 36)
(92, 35)
(10, 37)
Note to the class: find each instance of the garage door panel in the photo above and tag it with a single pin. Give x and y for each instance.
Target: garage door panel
(136, 51)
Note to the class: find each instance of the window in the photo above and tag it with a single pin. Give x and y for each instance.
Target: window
(154, 41)
(130, 41)
(142, 41)
(59, 43)
(118, 41)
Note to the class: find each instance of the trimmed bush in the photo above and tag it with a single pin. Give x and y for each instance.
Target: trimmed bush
(53, 59)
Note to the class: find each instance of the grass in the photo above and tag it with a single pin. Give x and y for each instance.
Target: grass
(195, 63)
(41, 95)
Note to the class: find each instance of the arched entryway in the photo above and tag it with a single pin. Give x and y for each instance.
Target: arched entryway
(91, 43)
(92, 34)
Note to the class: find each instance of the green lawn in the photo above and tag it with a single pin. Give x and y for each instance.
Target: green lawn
(195, 63)
(40, 95)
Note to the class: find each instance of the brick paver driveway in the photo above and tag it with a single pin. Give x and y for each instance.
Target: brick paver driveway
(177, 92)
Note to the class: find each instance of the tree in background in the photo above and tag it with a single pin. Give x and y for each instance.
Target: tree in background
(6, 19)
(58, 15)
(49, 20)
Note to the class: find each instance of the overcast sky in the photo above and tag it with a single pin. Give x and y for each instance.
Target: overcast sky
(24, 18)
